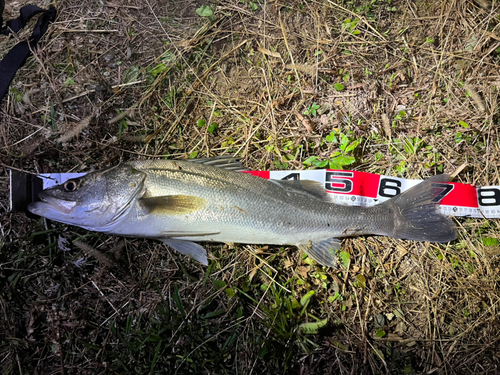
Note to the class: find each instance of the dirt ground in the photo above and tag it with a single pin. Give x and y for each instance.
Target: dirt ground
(412, 87)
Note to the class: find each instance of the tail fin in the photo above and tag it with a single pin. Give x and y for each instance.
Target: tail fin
(417, 217)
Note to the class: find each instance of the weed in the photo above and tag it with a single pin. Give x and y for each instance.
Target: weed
(312, 110)
(338, 159)
(350, 26)
(206, 11)
(339, 86)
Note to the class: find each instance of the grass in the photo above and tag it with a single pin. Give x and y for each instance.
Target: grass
(396, 88)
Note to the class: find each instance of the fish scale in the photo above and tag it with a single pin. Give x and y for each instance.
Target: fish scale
(180, 202)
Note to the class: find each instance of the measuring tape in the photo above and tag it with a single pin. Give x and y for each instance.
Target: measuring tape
(368, 189)
(344, 187)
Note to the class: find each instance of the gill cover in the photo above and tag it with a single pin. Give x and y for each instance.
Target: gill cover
(95, 201)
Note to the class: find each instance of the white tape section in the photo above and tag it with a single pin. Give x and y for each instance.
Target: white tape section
(367, 189)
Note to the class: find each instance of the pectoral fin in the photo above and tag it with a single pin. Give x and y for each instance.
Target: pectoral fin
(324, 252)
(192, 249)
(172, 204)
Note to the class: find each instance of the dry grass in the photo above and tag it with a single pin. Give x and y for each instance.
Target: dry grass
(126, 79)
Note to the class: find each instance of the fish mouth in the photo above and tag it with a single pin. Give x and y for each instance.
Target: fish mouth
(51, 207)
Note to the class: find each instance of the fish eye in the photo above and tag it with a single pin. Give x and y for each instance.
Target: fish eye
(70, 185)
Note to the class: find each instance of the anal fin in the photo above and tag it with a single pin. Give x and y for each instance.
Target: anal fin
(323, 252)
(195, 251)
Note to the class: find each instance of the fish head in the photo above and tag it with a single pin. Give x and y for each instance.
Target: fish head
(95, 201)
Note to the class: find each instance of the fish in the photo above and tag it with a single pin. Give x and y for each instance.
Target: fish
(182, 202)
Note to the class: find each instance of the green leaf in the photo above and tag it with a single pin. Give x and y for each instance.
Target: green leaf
(130, 74)
(488, 241)
(408, 369)
(307, 297)
(320, 164)
(361, 281)
(338, 86)
(219, 284)
(463, 124)
(312, 110)
(230, 292)
(399, 313)
(343, 160)
(339, 345)
(158, 69)
(69, 81)
(309, 160)
(263, 351)
(344, 258)
(379, 353)
(353, 145)
(344, 141)
(401, 115)
(212, 314)
(280, 165)
(335, 297)
(295, 303)
(380, 332)
(331, 137)
(213, 127)
(153, 338)
(201, 123)
(312, 328)
(178, 301)
(253, 6)
(205, 11)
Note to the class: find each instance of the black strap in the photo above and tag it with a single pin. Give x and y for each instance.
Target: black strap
(16, 57)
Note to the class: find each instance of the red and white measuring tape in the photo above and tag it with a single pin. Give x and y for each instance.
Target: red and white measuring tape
(367, 189)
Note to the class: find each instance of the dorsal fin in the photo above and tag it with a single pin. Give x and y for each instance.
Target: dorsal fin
(228, 162)
(314, 188)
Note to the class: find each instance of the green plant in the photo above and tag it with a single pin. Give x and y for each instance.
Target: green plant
(488, 241)
(400, 116)
(211, 128)
(166, 62)
(312, 110)
(338, 159)
(122, 124)
(350, 26)
(339, 86)
(205, 11)
(283, 316)
(412, 145)
(253, 6)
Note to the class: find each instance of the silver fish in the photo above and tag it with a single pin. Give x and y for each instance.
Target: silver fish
(179, 202)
